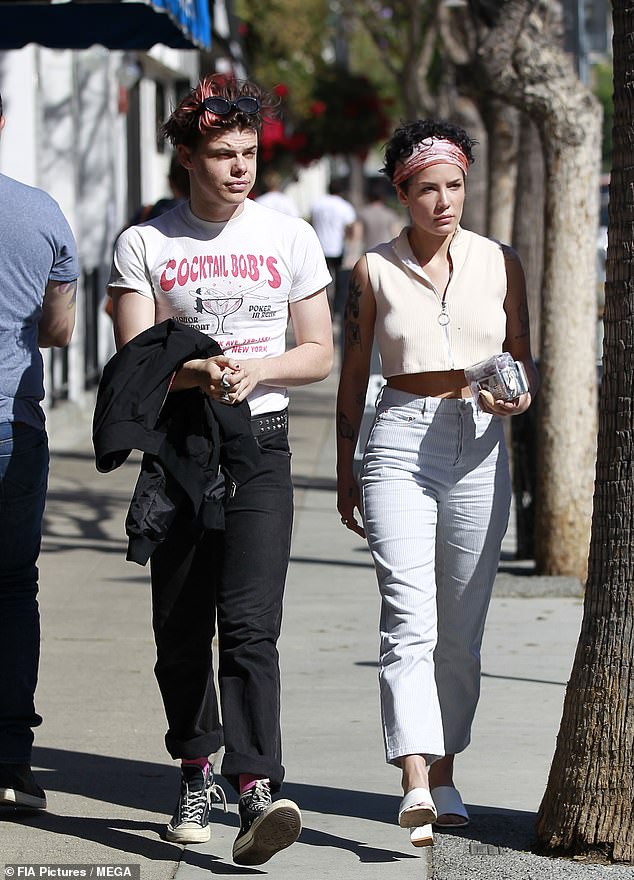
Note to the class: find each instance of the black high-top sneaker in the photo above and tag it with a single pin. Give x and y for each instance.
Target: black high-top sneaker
(266, 827)
(18, 788)
(190, 822)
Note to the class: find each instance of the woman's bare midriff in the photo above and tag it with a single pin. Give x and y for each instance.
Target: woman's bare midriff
(445, 383)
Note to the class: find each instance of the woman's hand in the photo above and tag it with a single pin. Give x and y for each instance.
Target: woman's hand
(513, 407)
(349, 500)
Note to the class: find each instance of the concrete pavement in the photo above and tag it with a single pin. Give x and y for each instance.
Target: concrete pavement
(100, 752)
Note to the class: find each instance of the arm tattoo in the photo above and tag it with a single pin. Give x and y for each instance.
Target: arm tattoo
(522, 314)
(344, 428)
(352, 304)
(352, 334)
(352, 337)
(68, 288)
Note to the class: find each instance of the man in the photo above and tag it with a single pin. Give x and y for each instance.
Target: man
(378, 222)
(38, 272)
(334, 220)
(274, 197)
(236, 271)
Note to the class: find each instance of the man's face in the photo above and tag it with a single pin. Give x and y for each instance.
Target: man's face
(222, 171)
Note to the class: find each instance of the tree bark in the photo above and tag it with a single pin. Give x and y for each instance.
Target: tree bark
(502, 123)
(568, 363)
(528, 240)
(528, 222)
(474, 215)
(588, 804)
(519, 59)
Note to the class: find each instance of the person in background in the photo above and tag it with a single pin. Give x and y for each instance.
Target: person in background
(273, 197)
(378, 222)
(435, 488)
(333, 219)
(178, 180)
(236, 271)
(39, 270)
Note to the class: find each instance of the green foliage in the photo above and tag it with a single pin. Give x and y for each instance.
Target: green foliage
(284, 43)
(326, 107)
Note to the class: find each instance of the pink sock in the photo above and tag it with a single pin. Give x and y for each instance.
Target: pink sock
(248, 780)
(203, 763)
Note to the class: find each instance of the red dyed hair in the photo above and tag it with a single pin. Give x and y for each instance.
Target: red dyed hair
(190, 120)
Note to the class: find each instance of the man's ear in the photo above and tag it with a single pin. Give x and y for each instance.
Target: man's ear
(1, 122)
(184, 155)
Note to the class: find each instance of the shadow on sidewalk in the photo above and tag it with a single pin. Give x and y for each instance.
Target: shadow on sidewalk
(151, 787)
(120, 835)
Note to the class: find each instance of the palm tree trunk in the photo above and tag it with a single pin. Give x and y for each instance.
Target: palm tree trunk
(588, 806)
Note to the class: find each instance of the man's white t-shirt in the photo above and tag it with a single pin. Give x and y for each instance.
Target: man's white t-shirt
(233, 280)
(330, 215)
(278, 201)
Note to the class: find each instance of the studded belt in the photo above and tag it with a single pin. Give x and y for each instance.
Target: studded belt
(275, 421)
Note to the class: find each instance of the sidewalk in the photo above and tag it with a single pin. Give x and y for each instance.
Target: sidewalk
(100, 753)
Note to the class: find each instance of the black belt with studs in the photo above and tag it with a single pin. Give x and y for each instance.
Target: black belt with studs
(276, 421)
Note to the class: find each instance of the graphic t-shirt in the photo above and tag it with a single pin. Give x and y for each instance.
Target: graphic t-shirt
(233, 280)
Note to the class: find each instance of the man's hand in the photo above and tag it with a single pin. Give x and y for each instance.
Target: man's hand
(216, 376)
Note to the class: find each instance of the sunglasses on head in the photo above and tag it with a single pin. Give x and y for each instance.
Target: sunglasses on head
(223, 106)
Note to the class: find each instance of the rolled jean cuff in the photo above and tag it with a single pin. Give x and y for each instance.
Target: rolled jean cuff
(207, 744)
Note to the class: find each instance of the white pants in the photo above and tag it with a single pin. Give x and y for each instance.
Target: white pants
(436, 497)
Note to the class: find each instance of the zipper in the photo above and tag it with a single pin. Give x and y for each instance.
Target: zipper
(443, 318)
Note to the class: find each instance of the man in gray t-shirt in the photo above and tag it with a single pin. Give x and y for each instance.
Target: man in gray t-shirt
(38, 274)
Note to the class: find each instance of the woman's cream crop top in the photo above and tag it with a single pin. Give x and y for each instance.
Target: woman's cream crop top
(409, 335)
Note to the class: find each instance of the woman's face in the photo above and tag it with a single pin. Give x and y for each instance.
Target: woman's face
(435, 199)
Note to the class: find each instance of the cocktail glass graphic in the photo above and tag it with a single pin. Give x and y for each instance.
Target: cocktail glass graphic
(221, 304)
(221, 307)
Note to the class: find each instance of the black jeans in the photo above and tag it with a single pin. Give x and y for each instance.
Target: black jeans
(234, 578)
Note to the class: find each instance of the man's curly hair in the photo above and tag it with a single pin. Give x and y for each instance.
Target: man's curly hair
(401, 145)
(189, 120)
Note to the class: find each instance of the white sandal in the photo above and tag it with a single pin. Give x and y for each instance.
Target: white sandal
(417, 808)
(422, 835)
(447, 801)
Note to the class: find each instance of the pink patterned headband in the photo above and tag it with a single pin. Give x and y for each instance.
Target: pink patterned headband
(431, 151)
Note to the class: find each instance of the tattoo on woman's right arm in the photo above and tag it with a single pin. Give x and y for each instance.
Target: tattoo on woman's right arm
(344, 427)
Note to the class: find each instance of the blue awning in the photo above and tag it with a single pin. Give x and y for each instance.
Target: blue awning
(115, 24)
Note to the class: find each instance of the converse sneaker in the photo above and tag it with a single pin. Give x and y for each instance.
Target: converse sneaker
(190, 822)
(18, 788)
(265, 827)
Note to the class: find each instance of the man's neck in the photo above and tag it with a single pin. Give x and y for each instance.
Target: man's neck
(215, 213)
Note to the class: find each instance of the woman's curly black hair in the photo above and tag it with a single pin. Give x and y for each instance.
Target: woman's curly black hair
(400, 146)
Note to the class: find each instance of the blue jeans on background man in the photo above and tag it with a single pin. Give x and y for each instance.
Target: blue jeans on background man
(24, 463)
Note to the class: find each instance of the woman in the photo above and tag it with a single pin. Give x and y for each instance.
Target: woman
(435, 487)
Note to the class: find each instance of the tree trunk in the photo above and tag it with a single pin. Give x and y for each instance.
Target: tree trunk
(528, 222)
(588, 803)
(520, 60)
(474, 216)
(568, 364)
(502, 123)
(528, 240)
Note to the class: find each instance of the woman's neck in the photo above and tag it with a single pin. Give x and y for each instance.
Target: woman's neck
(429, 249)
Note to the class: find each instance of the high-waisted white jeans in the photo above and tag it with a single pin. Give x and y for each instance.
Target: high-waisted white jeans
(436, 496)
